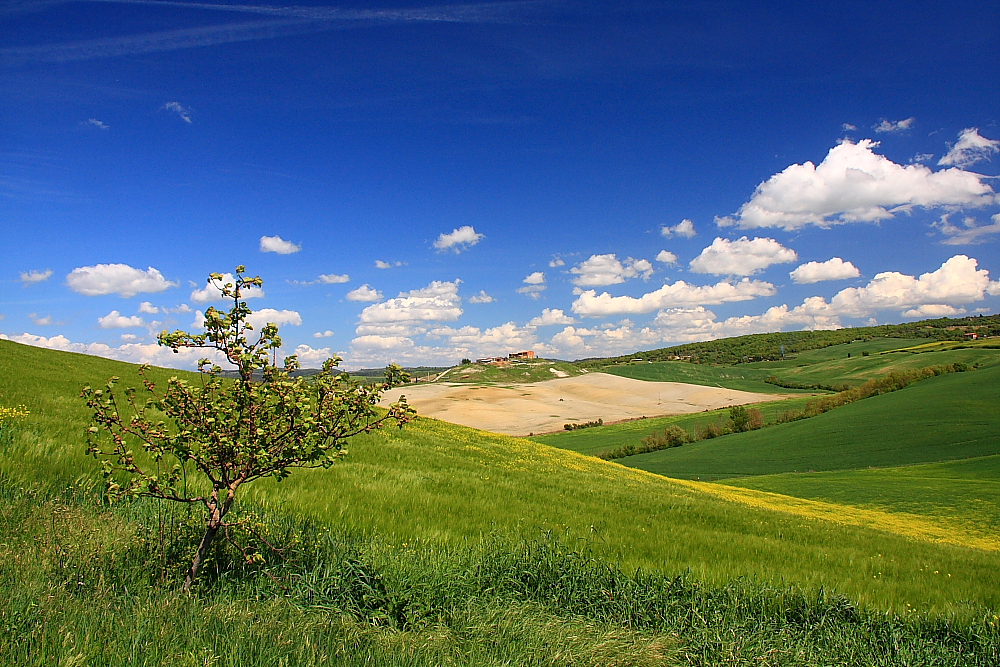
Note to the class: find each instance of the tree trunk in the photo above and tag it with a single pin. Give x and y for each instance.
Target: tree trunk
(216, 513)
(206, 542)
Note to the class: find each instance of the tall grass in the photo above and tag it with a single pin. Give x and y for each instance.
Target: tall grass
(85, 585)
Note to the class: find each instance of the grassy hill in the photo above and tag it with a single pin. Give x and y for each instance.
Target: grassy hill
(848, 364)
(529, 370)
(446, 483)
(960, 495)
(768, 346)
(943, 418)
(431, 533)
(597, 440)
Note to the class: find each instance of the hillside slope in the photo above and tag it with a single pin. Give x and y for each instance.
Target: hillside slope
(439, 483)
(942, 418)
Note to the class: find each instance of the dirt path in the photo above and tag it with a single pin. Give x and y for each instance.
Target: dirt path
(545, 406)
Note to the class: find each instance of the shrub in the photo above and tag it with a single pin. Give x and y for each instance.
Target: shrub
(739, 419)
(577, 427)
(672, 436)
(224, 434)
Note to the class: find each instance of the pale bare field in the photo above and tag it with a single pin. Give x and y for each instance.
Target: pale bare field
(522, 409)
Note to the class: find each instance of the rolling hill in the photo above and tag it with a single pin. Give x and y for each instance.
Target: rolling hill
(441, 535)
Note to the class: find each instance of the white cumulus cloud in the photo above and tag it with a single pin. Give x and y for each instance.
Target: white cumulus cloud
(147, 308)
(264, 316)
(380, 342)
(40, 320)
(364, 293)
(323, 334)
(934, 310)
(832, 269)
(556, 262)
(970, 148)
(551, 316)
(115, 320)
(309, 357)
(957, 282)
(685, 229)
(482, 297)
(600, 270)
(212, 293)
(667, 257)
(499, 340)
(136, 353)
(534, 285)
(32, 277)
(741, 257)
(333, 278)
(854, 184)
(438, 302)
(680, 293)
(459, 239)
(122, 279)
(278, 245)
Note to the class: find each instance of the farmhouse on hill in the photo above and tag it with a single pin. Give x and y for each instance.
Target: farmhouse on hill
(513, 356)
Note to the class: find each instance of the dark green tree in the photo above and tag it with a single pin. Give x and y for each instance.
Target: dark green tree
(199, 443)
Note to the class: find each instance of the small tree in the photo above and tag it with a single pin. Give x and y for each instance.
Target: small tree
(739, 419)
(227, 433)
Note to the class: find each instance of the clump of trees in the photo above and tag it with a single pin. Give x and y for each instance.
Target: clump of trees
(198, 443)
(671, 436)
(577, 427)
(741, 419)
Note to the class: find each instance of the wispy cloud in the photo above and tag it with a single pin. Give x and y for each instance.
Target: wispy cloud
(32, 277)
(179, 109)
(283, 21)
(887, 126)
(93, 122)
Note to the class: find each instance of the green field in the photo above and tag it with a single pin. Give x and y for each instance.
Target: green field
(961, 495)
(597, 440)
(740, 378)
(856, 369)
(828, 366)
(427, 511)
(942, 418)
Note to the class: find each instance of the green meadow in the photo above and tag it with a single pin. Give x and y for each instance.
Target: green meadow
(836, 365)
(741, 378)
(960, 495)
(596, 440)
(440, 544)
(942, 418)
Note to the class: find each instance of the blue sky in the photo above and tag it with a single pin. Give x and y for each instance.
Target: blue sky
(420, 183)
